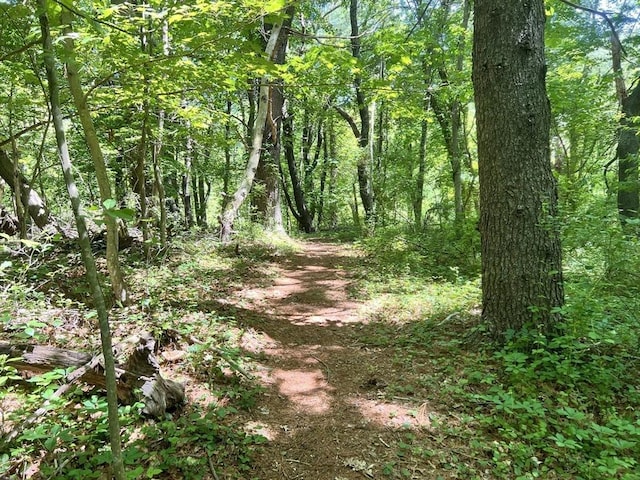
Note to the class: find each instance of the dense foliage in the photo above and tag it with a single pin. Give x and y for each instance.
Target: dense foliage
(174, 89)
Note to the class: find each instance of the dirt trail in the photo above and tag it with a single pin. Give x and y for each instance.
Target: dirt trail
(323, 409)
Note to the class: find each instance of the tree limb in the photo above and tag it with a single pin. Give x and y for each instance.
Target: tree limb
(602, 15)
(20, 50)
(349, 119)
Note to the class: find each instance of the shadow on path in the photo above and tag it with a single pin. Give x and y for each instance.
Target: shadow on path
(324, 410)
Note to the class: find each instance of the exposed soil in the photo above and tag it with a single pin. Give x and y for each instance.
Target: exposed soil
(325, 411)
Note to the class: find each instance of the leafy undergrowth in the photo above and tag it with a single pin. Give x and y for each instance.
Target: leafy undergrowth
(552, 408)
(538, 407)
(179, 298)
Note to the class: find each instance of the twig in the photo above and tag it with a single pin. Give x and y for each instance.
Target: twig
(602, 15)
(383, 442)
(212, 468)
(326, 367)
(449, 317)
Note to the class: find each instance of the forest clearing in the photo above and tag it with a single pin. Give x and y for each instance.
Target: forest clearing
(321, 240)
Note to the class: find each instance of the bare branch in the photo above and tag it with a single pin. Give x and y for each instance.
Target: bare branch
(20, 50)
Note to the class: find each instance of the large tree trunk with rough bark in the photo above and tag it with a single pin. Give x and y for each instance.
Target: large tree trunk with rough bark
(267, 200)
(521, 256)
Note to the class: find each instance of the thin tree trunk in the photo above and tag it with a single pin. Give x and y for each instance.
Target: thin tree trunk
(326, 165)
(364, 158)
(333, 175)
(422, 169)
(157, 150)
(227, 157)
(141, 176)
(186, 183)
(85, 247)
(301, 211)
(19, 204)
(230, 212)
(118, 284)
(157, 174)
(203, 197)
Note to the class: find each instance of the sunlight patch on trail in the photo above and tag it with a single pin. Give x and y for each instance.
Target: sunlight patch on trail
(308, 390)
(392, 414)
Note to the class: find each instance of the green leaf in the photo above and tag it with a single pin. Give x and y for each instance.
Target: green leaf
(153, 471)
(126, 214)
(109, 203)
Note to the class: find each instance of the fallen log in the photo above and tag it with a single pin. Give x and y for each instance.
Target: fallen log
(139, 378)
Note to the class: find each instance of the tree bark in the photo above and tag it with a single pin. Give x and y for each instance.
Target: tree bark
(159, 181)
(627, 155)
(418, 199)
(36, 207)
(186, 183)
(301, 211)
(118, 284)
(521, 255)
(85, 246)
(227, 157)
(267, 199)
(230, 212)
(365, 182)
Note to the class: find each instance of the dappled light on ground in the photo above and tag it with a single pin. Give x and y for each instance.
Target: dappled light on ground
(324, 410)
(392, 414)
(307, 390)
(311, 290)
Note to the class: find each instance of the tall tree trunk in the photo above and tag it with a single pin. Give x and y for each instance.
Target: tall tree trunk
(157, 150)
(521, 255)
(118, 284)
(230, 212)
(627, 155)
(186, 183)
(141, 175)
(203, 199)
(227, 157)
(19, 204)
(158, 180)
(85, 246)
(267, 199)
(326, 165)
(365, 182)
(333, 175)
(301, 211)
(418, 198)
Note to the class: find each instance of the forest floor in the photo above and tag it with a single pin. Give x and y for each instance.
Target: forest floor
(335, 406)
(324, 377)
